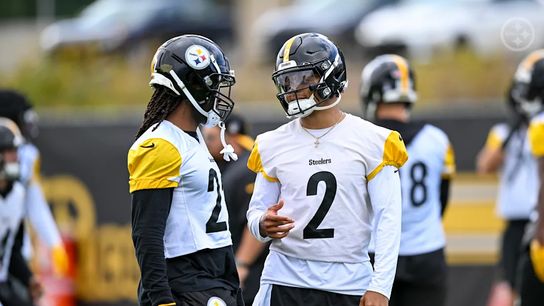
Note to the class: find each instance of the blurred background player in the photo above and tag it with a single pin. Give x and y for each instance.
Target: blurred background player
(321, 180)
(507, 149)
(13, 266)
(15, 106)
(531, 267)
(388, 94)
(179, 217)
(238, 183)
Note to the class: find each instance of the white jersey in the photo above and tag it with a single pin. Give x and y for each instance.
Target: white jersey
(431, 159)
(11, 216)
(325, 189)
(518, 174)
(170, 158)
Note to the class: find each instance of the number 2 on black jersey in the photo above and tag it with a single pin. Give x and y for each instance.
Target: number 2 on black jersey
(212, 225)
(311, 231)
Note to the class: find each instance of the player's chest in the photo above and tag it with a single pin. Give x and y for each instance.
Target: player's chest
(197, 173)
(327, 162)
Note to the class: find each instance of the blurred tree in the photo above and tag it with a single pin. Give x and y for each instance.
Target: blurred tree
(16, 9)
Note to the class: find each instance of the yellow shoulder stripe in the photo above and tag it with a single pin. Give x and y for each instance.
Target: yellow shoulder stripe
(255, 164)
(493, 140)
(153, 164)
(449, 163)
(394, 154)
(536, 138)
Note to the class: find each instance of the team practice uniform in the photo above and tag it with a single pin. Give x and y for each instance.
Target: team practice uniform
(514, 204)
(197, 242)
(421, 268)
(333, 191)
(12, 211)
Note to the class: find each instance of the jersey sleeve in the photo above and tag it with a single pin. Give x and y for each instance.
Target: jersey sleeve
(393, 154)
(536, 136)
(153, 164)
(255, 163)
(449, 163)
(496, 136)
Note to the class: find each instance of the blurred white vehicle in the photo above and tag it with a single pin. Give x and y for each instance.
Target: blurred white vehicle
(121, 24)
(333, 18)
(418, 27)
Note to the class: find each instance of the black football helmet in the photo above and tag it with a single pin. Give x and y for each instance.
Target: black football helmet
(16, 107)
(10, 139)
(526, 93)
(387, 79)
(195, 67)
(308, 61)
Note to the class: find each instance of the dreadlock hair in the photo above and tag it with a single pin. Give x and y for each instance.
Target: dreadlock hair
(161, 104)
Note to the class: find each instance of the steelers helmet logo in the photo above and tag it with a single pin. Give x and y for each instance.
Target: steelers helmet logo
(197, 57)
(215, 301)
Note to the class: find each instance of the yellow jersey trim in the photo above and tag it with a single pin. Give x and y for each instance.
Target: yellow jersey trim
(255, 164)
(449, 163)
(394, 154)
(536, 138)
(153, 165)
(493, 141)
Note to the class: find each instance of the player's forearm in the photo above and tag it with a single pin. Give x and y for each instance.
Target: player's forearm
(444, 195)
(385, 195)
(489, 160)
(249, 250)
(150, 209)
(40, 216)
(265, 194)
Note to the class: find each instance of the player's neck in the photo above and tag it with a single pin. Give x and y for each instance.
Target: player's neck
(182, 117)
(395, 111)
(321, 119)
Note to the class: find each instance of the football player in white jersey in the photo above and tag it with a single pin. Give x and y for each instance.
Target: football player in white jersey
(321, 180)
(387, 95)
(507, 149)
(13, 266)
(179, 218)
(531, 286)
(15, 106)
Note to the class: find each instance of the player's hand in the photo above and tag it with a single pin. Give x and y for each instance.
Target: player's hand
(35, 289)
(539, 235)
(371, 298)
(274, 225)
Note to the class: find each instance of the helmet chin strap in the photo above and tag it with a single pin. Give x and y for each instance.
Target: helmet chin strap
(212, 119)
(309, 109)
(228, 150)
(330, 105)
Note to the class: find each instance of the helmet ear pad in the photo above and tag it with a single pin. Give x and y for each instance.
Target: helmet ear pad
(323, 92)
